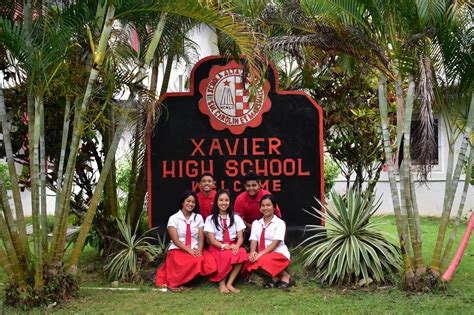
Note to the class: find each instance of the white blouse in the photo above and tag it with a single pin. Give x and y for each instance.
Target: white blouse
(275, 230)
(238, 225)
(178, 221)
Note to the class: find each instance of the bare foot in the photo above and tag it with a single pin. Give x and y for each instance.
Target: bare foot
(232, 289)
(223, 288)
(177, 289)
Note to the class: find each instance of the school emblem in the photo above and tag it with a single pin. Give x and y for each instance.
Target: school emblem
(227, 100)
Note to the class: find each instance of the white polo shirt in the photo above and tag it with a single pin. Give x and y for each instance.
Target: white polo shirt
(178, 221)
(275, 230)
(238, 225)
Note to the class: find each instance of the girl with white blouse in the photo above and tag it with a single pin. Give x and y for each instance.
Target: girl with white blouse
(268, 253)
(224, 230)
(186, 258)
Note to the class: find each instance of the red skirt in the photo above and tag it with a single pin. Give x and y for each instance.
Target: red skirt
(225, 259)
(272, 263)
(181, 267)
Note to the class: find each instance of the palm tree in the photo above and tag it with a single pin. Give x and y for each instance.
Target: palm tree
(42, 48)
(406, 42)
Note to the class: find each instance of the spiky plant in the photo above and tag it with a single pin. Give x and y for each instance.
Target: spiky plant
(134, 254)
(350, 247)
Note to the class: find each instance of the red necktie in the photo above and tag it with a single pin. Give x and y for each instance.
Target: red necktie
(261, 245)
(188, 235)
(226, 232)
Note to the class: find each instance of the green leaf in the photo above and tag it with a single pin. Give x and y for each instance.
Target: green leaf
(354, 245)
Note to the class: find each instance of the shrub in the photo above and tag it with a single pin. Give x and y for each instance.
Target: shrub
(331, 171)
(135, 253)
(350, 247)
(59, 287)
(6, 176)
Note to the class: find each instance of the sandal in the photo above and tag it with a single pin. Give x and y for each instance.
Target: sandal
(285, 285)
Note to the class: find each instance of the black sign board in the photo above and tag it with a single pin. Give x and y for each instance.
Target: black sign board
(219, 127)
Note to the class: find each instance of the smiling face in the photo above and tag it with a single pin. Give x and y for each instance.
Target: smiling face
(267, 208)
(252, 187)
(206, 184)
(188, 205)
(223, 202)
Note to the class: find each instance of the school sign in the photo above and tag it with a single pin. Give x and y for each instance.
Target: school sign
(222, 128)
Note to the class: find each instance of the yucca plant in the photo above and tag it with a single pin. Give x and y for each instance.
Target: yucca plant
(135, 253)
(350, 247)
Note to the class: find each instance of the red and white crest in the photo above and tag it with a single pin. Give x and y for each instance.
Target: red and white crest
(226, 99)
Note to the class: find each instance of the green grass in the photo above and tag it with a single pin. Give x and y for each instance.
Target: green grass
(307, 297)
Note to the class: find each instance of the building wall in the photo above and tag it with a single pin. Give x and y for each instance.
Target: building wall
(430, 195)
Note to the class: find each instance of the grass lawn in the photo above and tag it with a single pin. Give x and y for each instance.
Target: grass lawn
(307, 297)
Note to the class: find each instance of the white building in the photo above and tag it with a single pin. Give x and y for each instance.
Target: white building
(429, 196)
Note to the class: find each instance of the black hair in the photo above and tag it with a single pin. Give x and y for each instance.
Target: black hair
(270, 197)
(185, 195)
(250, 176)
(215, 209)
(206, 174)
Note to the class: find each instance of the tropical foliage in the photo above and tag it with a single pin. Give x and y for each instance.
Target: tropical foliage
(77, 56)
(73, 62)
(351, 246)
(134, 254)
(331, 171)
(420, 50)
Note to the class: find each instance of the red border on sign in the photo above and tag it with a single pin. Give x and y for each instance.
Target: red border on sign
(191, 93)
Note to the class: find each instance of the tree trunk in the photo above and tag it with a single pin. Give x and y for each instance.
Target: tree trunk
(58, 238)
(10, 222)
(457, 221)
(43, 204)
(64, 192)
(62, 156)
(137, 184)
(136, 166)
(138, 198)
(166, 75)
(86, 225)
(8, 267)
(155, 40)
(110, 192)
(382, 94)
(154, 79)
(20, 219)
(35, 187)
(436, 261)
(11, 254)
(407, 194)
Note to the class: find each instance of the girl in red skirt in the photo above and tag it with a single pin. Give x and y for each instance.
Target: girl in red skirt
(186, 258)
(268, 236)
(225, 234)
